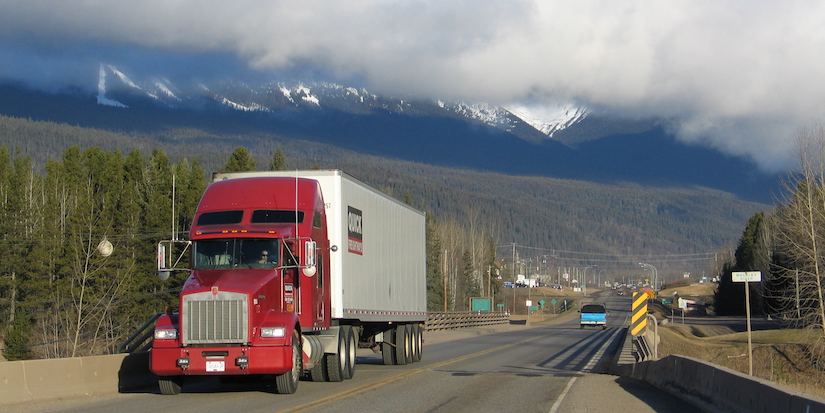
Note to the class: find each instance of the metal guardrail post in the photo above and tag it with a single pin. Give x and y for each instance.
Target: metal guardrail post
(139, 336)
(655, 338)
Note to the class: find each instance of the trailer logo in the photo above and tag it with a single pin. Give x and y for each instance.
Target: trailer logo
(355, 238)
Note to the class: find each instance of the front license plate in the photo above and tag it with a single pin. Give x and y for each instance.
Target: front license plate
(215, 366)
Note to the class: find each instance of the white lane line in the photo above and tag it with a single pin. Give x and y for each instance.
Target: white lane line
(561, 396)
(601, 351)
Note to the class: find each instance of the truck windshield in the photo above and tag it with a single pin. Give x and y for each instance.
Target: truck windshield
(593, 308)
(235, 253)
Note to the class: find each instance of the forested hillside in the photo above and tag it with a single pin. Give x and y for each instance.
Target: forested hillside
(536, 211)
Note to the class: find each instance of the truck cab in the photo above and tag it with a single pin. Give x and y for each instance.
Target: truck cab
(258, 281)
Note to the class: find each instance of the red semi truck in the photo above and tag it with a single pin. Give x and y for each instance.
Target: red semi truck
(290, 273)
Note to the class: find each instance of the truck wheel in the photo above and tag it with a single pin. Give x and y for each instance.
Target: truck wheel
(319, 372)
(402, 344)
(352, 346)
(170, 385)
(337, 362)
(387, 349)
(287, 383)
(417, 342)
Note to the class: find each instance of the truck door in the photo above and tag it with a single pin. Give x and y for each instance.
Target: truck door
(318, 293)
(292, 292)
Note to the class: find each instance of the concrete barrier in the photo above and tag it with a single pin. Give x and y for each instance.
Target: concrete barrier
(13, 383)
(711, 387)
(716, 388)
(22, 381)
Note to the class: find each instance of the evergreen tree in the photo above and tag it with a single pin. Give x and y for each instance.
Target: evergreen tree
(239, 161)
(17, 341)
(729, 298)
(467, 282)
(491, 268)
(278, 162)
(435, 274)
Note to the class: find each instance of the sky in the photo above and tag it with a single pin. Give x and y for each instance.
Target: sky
(742, 76)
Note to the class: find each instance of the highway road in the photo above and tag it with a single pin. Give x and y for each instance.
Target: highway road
(554, 367)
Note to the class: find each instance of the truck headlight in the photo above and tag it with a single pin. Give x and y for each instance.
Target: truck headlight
(166, 334)
(273, 332)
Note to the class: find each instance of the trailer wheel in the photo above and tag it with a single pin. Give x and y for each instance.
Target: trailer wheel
(287, 383)
(410, 343)
(402, 344)
(352, 346)
(387, 349)
(170, 385)
(417, 342)
(337, 362)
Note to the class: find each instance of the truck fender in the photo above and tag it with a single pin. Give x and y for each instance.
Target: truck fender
(167, 321)
(288, 320)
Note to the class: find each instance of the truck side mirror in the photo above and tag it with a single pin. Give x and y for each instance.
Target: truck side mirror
(309, 253)
(165, 267)
(161, 257)
(309, 268)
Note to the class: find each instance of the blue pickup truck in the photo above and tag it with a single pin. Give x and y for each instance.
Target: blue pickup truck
(593, 315)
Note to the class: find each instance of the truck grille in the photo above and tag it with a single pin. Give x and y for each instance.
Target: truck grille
(213, 319)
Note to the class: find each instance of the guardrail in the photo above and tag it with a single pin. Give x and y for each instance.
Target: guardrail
(646, 347)
(142, 338)
(448, 321)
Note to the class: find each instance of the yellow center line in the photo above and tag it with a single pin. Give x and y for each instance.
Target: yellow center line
(358, 390)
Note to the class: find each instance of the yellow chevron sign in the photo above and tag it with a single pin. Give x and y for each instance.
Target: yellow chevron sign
(638, 319)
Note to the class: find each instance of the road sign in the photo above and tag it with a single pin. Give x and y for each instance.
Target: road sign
(638, 318)
(481, 304)
(746, 276)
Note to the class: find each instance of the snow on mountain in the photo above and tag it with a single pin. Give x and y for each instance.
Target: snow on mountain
(305, 95)
(163, 86)
(549, 119)
(123, 78)
(101, 91)
(492, 115)
(245, 108)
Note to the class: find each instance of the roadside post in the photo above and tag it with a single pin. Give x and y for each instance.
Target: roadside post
(638, 325)
(746, 277)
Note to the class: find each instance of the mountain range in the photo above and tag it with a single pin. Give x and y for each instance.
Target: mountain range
(565, 141)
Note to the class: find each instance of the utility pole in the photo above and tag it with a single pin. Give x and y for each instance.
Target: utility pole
(489, 278)
(514, 278)
(444, 269)
(798, 313)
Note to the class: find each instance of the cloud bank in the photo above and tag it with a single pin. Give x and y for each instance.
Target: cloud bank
(741, 76)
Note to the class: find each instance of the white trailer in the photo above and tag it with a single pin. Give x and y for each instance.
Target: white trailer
(378, 263)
